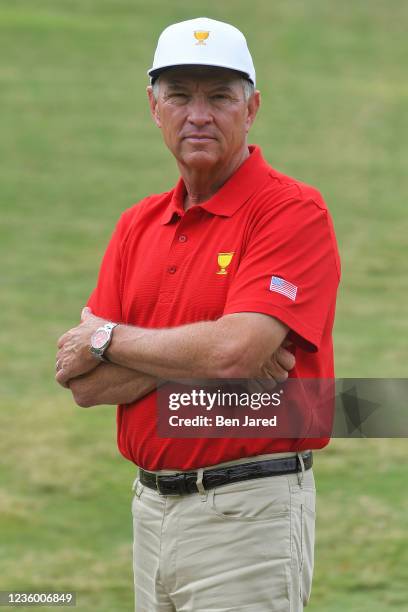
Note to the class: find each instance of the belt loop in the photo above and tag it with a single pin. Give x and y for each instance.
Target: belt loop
(137, 487)
(200, 486)
(158, 486)
(301, 474)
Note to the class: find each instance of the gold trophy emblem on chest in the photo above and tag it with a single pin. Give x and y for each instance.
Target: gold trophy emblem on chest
(224, 260)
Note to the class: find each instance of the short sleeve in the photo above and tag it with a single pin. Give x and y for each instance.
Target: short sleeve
(105, 300)
(290, 270)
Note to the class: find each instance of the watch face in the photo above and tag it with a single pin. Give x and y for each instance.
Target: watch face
(99, 338)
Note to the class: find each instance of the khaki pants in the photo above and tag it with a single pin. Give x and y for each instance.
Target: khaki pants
(242, 547)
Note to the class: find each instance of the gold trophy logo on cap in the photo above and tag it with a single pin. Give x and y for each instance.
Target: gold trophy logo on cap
(201, 36)
(224, 260)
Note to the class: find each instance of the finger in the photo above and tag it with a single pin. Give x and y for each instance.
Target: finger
(59, 361)
(254, 385)
(285, 359)
(61, 355)
(275, 371)
(61, 380)
(280, 375)
(271, 384)
(62, 340)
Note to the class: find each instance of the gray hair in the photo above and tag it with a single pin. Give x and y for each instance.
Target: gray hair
(247, 86)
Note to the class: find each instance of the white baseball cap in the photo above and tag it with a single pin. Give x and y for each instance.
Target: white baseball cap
(202, 42)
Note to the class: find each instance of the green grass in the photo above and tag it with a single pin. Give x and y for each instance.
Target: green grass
(77, 147)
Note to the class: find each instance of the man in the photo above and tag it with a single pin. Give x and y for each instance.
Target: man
(215, 279)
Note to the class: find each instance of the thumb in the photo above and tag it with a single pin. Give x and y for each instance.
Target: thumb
(85, 314)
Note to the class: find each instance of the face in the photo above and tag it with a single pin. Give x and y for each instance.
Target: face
(203, 115)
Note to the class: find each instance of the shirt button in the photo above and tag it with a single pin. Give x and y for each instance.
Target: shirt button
(182, 238)
(171, 270)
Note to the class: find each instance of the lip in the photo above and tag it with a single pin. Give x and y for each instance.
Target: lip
(198, 137)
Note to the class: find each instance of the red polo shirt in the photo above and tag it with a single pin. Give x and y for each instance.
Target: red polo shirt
(162, 269)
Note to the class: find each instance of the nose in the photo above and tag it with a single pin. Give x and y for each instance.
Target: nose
(199, 111)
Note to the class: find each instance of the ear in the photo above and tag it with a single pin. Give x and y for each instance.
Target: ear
(154, 110)
(254, 103)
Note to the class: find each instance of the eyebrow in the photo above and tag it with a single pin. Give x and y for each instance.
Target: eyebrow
(174, 84)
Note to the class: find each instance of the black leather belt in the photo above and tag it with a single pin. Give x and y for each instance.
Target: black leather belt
(185, 482)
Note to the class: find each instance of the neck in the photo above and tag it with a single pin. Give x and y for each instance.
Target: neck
(202, 183)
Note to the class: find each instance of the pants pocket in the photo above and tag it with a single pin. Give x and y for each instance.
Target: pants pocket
(261, 499)
(138, 490)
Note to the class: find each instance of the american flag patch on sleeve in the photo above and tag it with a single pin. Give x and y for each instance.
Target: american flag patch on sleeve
(279, 285)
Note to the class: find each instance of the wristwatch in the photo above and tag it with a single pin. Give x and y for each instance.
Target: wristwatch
(101, 339)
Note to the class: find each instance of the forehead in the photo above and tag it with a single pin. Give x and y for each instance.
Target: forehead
(193, 75)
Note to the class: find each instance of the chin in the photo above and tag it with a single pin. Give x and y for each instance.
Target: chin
(199, 158)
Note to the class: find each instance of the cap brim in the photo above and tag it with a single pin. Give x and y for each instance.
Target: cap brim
(155, 72)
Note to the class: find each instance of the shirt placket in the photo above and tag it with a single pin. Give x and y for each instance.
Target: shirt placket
(180, 245)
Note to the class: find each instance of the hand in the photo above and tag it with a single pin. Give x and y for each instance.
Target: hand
(280, 363)
(74, 357)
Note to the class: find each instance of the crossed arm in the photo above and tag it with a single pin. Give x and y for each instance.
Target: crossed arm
(242, 345)
(111, 384)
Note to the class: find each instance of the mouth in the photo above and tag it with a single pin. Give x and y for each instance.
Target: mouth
(199, 138)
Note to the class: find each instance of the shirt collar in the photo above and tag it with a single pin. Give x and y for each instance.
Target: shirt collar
(232, 195)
